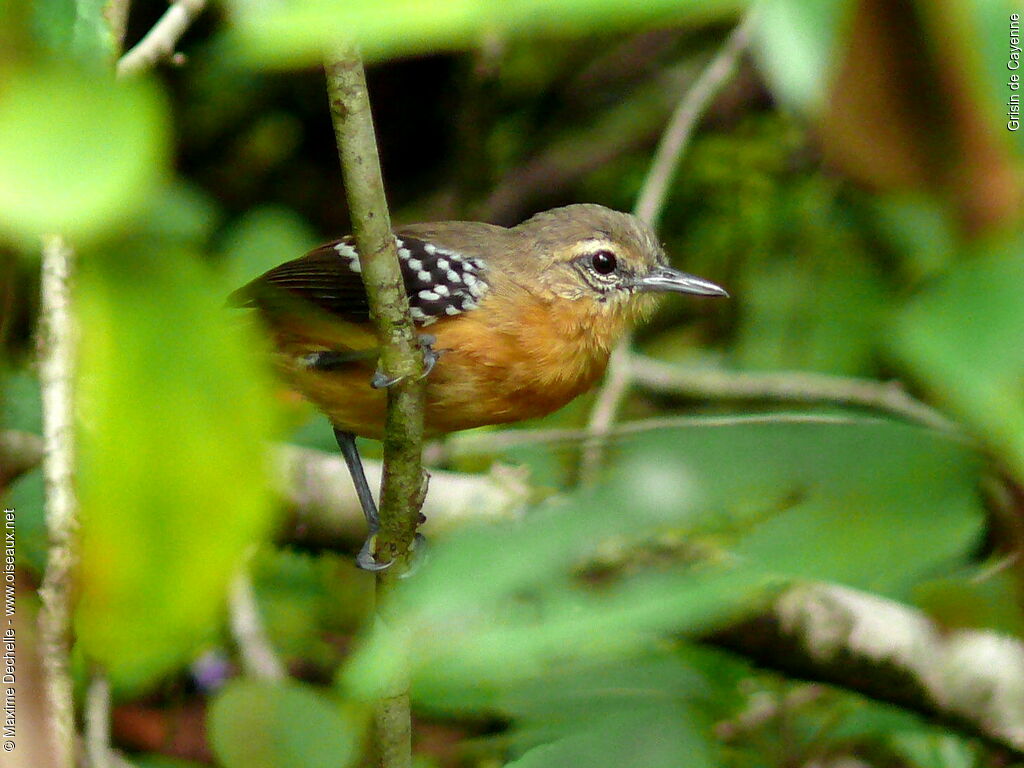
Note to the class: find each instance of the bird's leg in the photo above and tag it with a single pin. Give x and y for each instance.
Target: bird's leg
(381, 381)
(365, 559)
(328, 360)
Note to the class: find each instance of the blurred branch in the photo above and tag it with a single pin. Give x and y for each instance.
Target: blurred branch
(56, 374)
(258, 657)
(788, 386)
(97, 722)
(970, 680)
(401, 360)
(19, 452)
(684, 119)
(159, 43)
(650, 201)
(326, 512)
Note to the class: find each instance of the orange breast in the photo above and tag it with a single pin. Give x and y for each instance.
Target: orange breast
(495, 367)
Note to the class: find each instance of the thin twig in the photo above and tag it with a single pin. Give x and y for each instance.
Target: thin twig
(691, 108)
(648, 208)
(97, 722)
(402, 487)
(617, 382)
(788, 386)
(484, 443)
(56, 372)
(258, 657)
(160, 41)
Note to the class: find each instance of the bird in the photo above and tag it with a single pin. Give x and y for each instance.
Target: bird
(515, 322)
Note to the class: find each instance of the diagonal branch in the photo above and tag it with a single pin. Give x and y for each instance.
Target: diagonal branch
(787, 387)
(160, 41)
(648, 208)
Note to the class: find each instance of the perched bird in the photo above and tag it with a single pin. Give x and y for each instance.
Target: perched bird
(521, 320)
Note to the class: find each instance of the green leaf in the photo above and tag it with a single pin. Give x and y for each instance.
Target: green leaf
(175, 414)
(961, 338)
(934, 750)
(301, 30)
(263, 238)
(75, 28)
(872, 503)
(797, 41)
(257, 724)
(79, 154)
(635, 712)
(877, 507)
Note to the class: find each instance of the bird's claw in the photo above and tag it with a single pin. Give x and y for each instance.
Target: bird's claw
(426, 342)
(420, 553)
(367, 560)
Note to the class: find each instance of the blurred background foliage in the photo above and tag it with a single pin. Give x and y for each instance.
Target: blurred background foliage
(856, 188)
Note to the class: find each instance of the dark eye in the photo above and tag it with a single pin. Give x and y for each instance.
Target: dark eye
(604, 262)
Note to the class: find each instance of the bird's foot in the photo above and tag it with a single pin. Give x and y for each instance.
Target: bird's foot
(367, 560)
(426, 342)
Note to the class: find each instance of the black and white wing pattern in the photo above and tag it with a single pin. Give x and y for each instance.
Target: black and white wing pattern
(440, 282)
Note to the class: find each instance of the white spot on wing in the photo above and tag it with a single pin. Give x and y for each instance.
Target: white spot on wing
(345, 250)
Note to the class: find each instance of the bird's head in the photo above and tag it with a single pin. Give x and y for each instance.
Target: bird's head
(612, 261)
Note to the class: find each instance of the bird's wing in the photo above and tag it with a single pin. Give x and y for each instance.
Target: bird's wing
(440, 282)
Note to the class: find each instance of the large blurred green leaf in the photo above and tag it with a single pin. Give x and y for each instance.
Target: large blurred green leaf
(297, 31)
(257, 724)
(872, 503)
(636, 712)
(963, 339)
(79, 154)
(175, 415)
(261, 239)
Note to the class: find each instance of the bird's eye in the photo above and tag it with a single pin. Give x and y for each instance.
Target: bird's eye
(604, 262)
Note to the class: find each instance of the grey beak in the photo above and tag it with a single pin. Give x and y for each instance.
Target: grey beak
(668, 280)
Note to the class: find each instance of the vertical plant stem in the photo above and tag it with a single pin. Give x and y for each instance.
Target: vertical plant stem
(649, 205)
(402, 486)
(56, 373)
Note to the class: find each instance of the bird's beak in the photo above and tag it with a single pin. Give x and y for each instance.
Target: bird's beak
(668, 280)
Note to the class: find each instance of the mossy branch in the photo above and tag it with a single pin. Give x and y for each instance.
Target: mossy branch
(401, 358)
